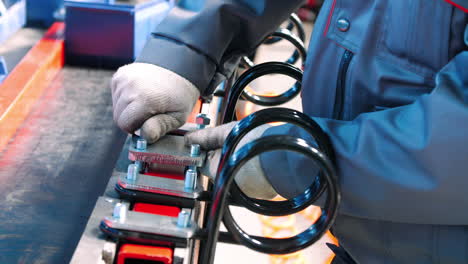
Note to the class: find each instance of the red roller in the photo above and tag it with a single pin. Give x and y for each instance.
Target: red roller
(157, 209)
(160, 255)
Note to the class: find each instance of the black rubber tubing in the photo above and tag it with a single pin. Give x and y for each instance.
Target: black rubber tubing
(231, 162)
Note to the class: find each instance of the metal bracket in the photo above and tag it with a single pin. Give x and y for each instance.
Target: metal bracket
(159, 185)
(169, 150)
(152, 224)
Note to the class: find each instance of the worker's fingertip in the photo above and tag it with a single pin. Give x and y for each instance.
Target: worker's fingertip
(189, 137)
(150, 130)
(149, 137)
(150, 133)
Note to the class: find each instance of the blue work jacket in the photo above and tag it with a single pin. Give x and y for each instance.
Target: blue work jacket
(388, 81)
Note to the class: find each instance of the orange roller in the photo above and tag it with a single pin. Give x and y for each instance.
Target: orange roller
(145, 253)
(24, 85)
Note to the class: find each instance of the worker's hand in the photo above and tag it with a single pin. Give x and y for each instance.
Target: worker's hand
(151, 98)
(250, 178)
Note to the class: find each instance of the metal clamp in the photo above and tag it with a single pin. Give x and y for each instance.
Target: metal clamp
(143, 225)
(158, 185)
(169, 150)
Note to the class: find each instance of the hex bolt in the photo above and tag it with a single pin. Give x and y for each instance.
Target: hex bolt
(183, 220)
(120, 212)
(132, 172)
(141, 144)
(194, 150)
(190, 179)
(202, 121)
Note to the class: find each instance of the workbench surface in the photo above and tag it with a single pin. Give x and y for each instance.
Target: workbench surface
(56, 166)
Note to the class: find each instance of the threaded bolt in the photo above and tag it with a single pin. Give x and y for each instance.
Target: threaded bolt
(120, 212)
(132, 172)
(183, 220)
(194, 150)
(141, 144)
(190, 179)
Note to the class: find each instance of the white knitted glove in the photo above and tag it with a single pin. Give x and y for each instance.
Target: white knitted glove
(250, 178)
(152, 98)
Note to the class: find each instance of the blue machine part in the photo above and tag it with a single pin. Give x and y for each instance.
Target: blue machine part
(41, 12)
(110, 33)
(12, 17)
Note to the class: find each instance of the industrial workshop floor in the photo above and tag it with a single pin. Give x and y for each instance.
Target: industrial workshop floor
(61, 158)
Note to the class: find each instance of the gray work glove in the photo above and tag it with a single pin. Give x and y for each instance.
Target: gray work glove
(152, 98)
(250, 178)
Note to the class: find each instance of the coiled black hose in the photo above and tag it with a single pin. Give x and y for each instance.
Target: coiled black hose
(279, 208)
(289, 94)
(300, 51)
(294, 22)
(316, 230)
(286, 34)
(231, 162)
(255, 72)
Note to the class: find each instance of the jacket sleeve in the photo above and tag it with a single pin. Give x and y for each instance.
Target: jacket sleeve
(406, 164)
(203, 44)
